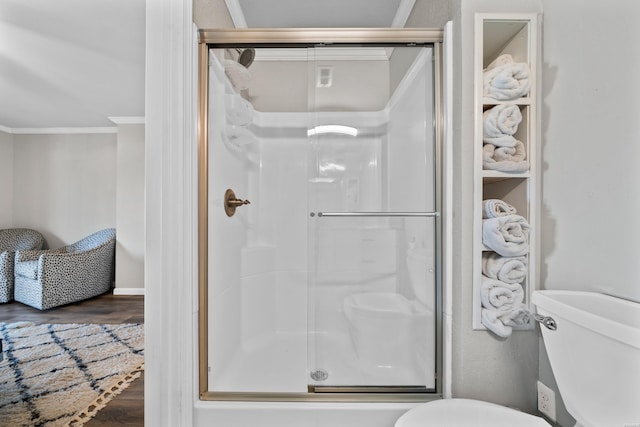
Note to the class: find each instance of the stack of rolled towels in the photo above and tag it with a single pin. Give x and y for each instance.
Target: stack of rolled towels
(504, 267)
(501, 151)
(504, 80)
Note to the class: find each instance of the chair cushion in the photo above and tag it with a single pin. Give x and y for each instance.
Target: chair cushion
(28, 269)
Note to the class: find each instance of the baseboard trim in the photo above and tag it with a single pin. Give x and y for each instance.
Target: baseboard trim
(128, 291)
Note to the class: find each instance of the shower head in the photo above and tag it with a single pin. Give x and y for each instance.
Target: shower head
(246, 56)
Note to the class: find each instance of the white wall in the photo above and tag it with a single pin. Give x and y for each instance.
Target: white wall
(64, 185)
(70, 185)
(130, 207)
(591, 150)
(6, 180)
(590, 134)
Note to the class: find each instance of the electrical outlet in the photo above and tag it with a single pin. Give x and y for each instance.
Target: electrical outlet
(547, 401)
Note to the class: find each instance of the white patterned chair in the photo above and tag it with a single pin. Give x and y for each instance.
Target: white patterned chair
(12, 240)
(50, 278)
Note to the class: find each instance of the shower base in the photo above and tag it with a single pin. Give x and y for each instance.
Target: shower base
(283, 363)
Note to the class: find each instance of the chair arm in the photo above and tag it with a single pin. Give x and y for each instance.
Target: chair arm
(92, 255)
(6, 261)
(78, 273)
(33, 255)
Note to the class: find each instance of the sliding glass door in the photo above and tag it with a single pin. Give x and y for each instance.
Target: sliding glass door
(322, 221)
(372, 220)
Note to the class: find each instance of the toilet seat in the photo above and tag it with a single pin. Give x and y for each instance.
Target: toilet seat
(466, 413)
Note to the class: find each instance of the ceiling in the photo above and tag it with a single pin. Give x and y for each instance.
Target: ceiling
(319, 13)
(76, 63)
(70, 63)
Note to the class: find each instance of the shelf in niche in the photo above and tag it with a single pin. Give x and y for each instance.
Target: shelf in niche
(489, 176)
(518, 101)
(522, 106)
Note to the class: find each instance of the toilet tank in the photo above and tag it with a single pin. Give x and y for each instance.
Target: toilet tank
(594, 355)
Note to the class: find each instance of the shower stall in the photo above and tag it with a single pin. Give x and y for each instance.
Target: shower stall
(320, 216)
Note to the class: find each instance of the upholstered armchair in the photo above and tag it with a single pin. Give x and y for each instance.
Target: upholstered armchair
(50, 278)
(12, 240)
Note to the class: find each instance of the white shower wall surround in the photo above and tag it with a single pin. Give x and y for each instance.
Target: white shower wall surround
(284, 284)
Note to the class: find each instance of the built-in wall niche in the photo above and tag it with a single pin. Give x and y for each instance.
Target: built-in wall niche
(497, 35)
(505, 36)
(514, 191)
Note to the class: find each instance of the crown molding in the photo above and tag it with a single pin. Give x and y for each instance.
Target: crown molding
(125, 120)
(128, 120)
(53, 131)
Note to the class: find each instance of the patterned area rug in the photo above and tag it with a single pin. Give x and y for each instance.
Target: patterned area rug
(62, 375)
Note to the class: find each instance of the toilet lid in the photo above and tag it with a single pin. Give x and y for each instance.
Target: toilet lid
(466, 413)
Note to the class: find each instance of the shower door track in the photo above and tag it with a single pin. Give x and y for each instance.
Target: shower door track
(313, 37)
(368, 389)
(301, 37)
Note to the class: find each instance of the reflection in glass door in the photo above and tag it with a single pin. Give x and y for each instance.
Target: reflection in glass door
(322, 221)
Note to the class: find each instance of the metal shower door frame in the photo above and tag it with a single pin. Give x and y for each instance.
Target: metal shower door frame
(308, 37)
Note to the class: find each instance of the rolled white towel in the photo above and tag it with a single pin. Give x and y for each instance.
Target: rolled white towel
(238, 75)
(491, 321)
(500, 123)
(492, 208)
(505, 269)
(502, 324)
(507, 235)
(517, 153)
(505, 79)
(499, 296)
(505, 159)
(517, 317)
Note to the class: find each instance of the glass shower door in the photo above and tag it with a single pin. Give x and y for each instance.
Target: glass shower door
(372, 220)
(327, 279)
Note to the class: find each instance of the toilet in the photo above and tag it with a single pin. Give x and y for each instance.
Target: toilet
(593, 344)
(467, 413)
(383, 325)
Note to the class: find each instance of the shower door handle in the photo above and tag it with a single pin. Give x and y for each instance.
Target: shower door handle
(231, 202)
(377, 214)
(237, 202)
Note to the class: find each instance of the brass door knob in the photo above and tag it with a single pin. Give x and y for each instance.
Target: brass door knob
(231, 202)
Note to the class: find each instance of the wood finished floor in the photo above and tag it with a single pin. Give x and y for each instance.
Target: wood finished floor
(126, 409)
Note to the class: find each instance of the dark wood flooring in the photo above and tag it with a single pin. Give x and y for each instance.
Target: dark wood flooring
(126, 409)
